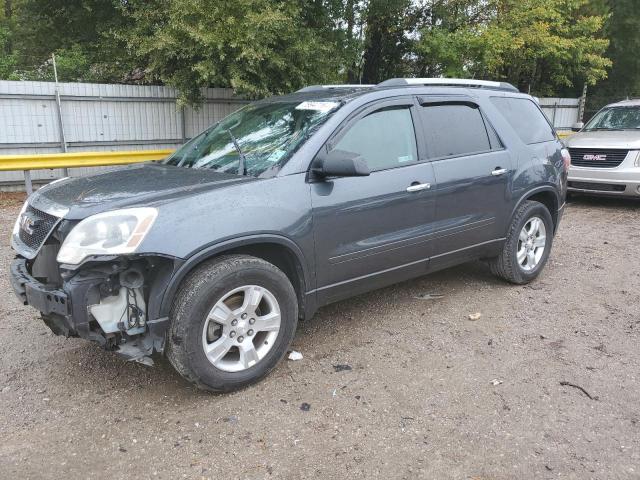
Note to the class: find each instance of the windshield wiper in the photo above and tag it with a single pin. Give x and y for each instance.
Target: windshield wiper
(242, 161)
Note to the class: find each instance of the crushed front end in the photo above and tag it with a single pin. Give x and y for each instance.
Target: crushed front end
(109, 299)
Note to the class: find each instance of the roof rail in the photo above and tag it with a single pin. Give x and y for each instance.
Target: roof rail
(315, 88)
(448, 82)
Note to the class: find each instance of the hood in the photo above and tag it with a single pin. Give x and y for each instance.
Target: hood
(145, 184)
(624, 139)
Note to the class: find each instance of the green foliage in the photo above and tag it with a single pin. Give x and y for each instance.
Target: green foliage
(624, 50)
(539, 45)
(257, 47)
(8, 61)
(80, 32)
(264, 47)
(386, 44)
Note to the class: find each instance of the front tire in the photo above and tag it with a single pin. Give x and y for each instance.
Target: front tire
(528, 244)
(231, 322)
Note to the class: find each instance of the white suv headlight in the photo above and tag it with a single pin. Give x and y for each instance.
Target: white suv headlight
(109, 233)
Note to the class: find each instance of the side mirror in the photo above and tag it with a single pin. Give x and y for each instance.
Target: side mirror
(576, 127)
(339, 163)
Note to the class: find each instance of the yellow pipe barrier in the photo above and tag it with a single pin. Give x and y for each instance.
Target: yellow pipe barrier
(78, 159)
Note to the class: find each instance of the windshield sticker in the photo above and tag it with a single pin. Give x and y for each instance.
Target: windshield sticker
(276, 155)
(317, 106)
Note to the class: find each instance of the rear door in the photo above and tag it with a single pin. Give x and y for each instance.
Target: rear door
(375, 230)
(472, 171)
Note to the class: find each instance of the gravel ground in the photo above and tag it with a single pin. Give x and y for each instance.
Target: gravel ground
(427, 392)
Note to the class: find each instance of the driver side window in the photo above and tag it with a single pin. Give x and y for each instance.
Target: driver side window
(384, 139)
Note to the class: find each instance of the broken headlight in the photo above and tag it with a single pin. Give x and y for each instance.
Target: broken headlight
(109, 233)
(16, 226)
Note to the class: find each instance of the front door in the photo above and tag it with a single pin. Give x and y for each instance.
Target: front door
(375, 230)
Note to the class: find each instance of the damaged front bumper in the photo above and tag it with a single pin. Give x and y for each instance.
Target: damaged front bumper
(94, 305)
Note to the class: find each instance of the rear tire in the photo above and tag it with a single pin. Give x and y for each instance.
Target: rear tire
(523, 256)
(210, 341)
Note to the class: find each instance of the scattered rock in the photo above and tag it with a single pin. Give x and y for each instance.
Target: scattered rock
(295, 355)
(305, 407)
(475, 316)
(122, 449)
(342, 367)
(428, 296)
(496, 382)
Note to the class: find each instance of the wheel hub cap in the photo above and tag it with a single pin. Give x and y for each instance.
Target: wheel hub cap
(241, 328)
(531, 244)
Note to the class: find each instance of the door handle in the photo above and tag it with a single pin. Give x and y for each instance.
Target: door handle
(499, 171)
(416, 187)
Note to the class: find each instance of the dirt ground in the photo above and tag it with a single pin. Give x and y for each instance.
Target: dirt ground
(429, 393)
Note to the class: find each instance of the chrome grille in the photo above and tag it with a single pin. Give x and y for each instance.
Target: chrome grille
(39, 225)
(597, 157)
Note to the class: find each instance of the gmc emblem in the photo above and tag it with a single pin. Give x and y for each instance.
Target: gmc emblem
(28, 223)
(591, 156)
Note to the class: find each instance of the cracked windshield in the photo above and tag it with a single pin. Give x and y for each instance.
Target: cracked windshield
(618, 118)
(255, 139)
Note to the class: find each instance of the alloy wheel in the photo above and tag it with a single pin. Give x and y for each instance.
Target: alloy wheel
(241, 328)
(531, 244)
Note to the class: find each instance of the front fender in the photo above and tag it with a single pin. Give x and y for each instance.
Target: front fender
(226, 246)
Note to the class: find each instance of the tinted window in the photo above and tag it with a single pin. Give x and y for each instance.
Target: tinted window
(525, 118)
(385, 139)
(455, 130)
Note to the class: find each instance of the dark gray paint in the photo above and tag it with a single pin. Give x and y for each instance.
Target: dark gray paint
(348, 234)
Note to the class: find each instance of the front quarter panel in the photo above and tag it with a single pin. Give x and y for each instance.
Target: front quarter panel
(276, 206)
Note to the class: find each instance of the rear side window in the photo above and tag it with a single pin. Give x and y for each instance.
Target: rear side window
(455, 129)
(525, 118)
(385, 139)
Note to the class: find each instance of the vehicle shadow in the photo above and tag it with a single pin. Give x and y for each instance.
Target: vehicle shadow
(87, 367)
(603, 202)
(431, 287)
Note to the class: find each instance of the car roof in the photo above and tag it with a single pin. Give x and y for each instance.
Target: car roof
(631, 102)
(346, 93)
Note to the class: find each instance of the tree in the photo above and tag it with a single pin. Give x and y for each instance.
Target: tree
(264, 47)
(257, 47)
(386, 42)
(624, 31)
(80, 32)
(538, 45)
(8, 61)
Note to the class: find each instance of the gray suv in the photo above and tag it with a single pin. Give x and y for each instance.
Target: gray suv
(605, 154)
(213, 255)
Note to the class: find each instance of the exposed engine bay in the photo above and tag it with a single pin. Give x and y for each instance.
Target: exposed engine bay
(106, 302)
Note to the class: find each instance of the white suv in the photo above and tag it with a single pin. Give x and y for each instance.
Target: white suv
(605, 153)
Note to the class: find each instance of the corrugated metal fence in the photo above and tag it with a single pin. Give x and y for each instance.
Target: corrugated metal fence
(45, 117)
(562, 112)
(98, 117)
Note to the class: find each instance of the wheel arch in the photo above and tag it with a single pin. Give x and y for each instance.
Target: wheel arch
(275, 249)
(545, 195)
